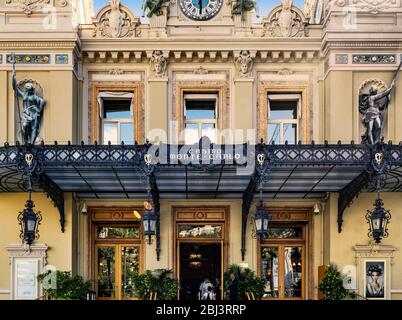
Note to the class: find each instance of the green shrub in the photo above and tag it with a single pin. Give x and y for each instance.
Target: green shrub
(159, 281)
(67, 287)
(331, 285)
(247, 282)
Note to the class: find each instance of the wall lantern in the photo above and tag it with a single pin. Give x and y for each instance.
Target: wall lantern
(149, 219)
(378, 220)
(261, 221)
(29, 221)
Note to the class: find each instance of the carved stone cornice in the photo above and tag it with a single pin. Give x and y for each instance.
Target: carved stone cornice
(374, 251)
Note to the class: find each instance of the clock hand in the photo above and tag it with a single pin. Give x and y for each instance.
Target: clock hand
(200, 4)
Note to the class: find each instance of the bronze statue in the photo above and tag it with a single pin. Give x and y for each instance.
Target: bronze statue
(153, 7)
(242, 6)
(372, 106)
(33, 106)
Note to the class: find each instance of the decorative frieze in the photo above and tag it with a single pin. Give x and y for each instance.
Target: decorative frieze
(372, 6)
(30, 58)
(28, 6)
(374, 59)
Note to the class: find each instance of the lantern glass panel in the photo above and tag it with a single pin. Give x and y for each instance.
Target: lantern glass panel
(258, 224)
(31, 225)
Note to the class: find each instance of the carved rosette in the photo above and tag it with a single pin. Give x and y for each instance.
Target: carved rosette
(244, 63)
(286, 21)
(116, 21)
(159, 62)
(28, 5)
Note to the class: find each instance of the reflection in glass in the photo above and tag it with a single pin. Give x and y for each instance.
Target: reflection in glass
(127, 133)
(269, 271)
(289, 133)
(110, 132)
(191, 133)
(293, 272)
(106, 272)
(129, 267)
(284, 233)
(118, 232)
(274, 133)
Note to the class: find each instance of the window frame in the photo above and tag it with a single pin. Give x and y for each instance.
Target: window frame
(265, 88)
(94, 126)
(118, 121)
(284, 97)
(207, 96)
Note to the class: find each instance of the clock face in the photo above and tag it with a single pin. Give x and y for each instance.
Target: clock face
(201, 9)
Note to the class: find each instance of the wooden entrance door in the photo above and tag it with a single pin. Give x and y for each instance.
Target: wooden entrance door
(115, 266)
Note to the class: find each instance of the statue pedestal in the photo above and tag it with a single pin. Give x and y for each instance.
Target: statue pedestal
(243, 27)
(157, 24)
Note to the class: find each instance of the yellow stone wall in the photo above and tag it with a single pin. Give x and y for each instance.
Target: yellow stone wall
(59, 253)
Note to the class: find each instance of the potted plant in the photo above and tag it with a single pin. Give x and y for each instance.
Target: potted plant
(159, 282)
(331, 284)
(66, 287)
(248, 282)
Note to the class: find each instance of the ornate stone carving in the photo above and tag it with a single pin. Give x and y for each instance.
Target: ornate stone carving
(244, 63)
(28, 5)
(374, 59)
(116, 21)
(285, 21)
(372, 6)
(200, 70)
(159, 63)
(116, 71)
(285, 72)
(313, 11)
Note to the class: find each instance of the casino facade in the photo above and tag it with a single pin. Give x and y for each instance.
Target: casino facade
(200, 137)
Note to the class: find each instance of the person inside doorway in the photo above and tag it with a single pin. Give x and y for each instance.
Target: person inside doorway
(233, 287)
(209, 294)
(204, 287)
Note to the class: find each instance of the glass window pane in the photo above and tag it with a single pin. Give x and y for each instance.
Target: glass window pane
(110, 132)
(117, 109)
(191, 133)
(127, 133)
(106, 272)
(290, 133)
(274, 133)
(118, 232)
(129, 267)
(283, 110)
(269, 271)
(293, 272)
(285, 233)
(208, 130)
(200, 109)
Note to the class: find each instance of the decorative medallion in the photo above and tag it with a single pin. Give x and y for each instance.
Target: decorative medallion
(158, 63)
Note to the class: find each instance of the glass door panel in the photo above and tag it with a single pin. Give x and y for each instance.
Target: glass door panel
(293, 272)
(130, 260)
(106, 277)
(270, 271)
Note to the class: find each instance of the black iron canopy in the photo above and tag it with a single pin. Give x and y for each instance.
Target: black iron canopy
(200, 171)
